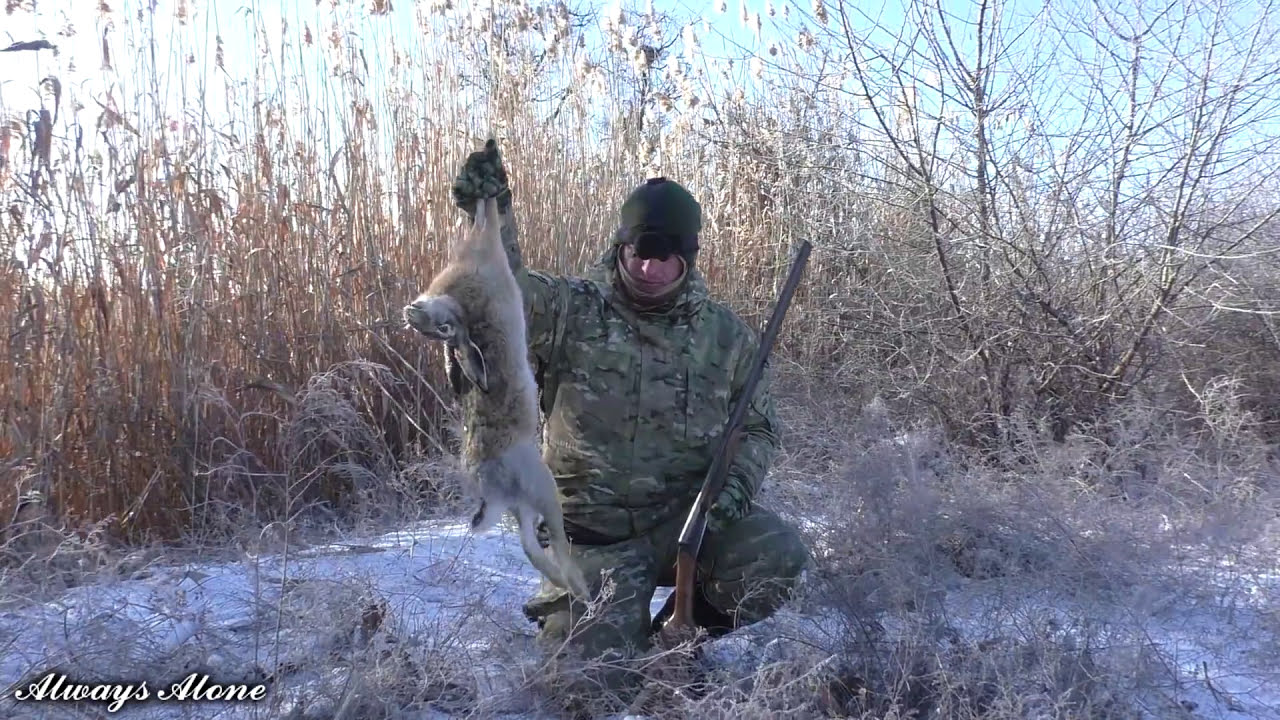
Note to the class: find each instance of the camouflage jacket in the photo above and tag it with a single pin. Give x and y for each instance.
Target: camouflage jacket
(635, 403)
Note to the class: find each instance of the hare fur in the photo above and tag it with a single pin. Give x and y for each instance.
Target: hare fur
(475, 308)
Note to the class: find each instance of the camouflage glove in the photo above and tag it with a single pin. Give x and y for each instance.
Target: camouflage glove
(729, 506)
(483, 176)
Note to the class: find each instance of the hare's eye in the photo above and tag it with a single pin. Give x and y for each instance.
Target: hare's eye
(446, 327)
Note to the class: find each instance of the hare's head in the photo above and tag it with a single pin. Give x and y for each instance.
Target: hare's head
(438, 317)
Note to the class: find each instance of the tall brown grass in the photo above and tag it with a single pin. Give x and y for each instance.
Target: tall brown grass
(175, 298)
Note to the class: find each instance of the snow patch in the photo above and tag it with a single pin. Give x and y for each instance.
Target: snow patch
(441, 583)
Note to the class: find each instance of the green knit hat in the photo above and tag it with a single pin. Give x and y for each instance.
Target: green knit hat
(661, 218)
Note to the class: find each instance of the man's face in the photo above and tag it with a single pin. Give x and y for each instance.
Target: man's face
(651, 273)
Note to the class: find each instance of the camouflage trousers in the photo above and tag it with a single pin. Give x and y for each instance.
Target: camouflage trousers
(745, 573)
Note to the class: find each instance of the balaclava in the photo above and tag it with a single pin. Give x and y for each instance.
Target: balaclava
(659, 218)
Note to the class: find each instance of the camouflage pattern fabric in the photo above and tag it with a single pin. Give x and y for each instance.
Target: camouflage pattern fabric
(634, 404)
(745, 573)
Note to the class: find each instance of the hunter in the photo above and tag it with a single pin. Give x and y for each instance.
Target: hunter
(638, 368)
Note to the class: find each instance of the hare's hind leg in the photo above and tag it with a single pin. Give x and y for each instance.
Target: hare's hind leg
(542, 492)
(572, 574)
(511, 481)
(527, 520)
(533, 496)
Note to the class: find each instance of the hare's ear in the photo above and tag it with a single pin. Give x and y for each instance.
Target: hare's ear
(472, 365)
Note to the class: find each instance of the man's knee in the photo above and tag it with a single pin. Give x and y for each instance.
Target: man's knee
(585, 668)
(619, 622)
(589, 656)
(757, 562)
(615, 629)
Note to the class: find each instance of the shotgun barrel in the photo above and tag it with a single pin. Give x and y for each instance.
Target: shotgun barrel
(695, 525)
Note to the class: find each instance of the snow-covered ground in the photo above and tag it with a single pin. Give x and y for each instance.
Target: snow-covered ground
(452, 595)
(441, 585)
